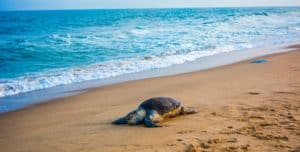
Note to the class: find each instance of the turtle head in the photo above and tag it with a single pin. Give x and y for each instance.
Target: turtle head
(132, 118)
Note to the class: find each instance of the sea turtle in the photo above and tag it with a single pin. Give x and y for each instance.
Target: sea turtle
(154, 110)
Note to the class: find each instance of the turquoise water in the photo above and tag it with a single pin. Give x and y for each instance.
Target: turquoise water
(42, 49)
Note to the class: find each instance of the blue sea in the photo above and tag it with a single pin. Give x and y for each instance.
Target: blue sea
(43, 49)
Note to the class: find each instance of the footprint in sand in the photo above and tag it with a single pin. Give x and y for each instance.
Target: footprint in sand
(253, 93)
(256, 117)
(285, 92)
(185, 131)
(297, 149)
(217, 144)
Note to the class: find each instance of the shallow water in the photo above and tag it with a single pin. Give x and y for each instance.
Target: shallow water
(42, 49)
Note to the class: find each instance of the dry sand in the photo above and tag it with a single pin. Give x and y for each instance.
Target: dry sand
(243, 107)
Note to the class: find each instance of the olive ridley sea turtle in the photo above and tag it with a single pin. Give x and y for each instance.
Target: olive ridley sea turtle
(154, 110)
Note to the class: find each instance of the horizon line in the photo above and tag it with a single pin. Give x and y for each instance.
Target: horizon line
(124, 8)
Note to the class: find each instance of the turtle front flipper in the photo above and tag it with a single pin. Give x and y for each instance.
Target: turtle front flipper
(120, 121)
(151, 119)
(149, 123)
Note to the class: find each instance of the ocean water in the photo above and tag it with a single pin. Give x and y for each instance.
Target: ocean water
(43, 49)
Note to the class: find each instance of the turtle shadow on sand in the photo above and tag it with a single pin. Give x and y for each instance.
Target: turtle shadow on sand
(155, 110)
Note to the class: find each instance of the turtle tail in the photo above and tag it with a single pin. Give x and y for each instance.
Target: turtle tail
(188, 110)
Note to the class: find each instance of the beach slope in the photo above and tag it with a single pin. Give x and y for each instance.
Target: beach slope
(243, 107)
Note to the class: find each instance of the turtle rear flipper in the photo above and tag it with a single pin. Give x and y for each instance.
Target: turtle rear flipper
(188, 110)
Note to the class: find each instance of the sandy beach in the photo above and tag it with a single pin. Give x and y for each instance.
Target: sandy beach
(242, 107)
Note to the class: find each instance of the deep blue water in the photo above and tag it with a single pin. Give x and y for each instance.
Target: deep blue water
(42, 49)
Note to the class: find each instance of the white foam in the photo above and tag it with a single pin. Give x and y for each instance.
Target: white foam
(97, 71)
(140, 31)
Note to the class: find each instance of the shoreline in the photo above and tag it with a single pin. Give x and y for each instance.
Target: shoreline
(28, 99)
(243, 107)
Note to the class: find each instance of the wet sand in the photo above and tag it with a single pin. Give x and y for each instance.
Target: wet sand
(243, 107)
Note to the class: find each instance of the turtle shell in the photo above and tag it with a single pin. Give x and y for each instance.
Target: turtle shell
(161, 104)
